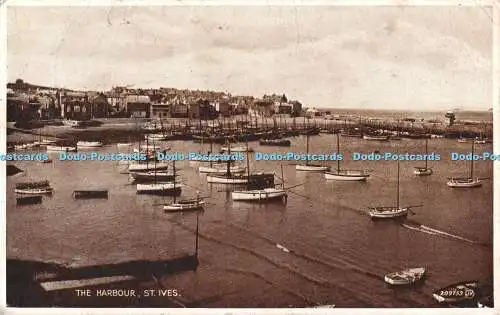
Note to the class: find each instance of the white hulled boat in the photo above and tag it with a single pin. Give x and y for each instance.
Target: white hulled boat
(345, 175)
(137, 167)
(156, 137)
(465, 182)
(390, 212)
(423, 171)
(47, 141)
(407, 276)
(88, 144)
(60, 148)
(236, 149)
(235, 169)
(376, 138)
(34, 188)
(183, 205)
(259, 194)
(166, 188)
(124, 144)
(152, 176)
(310, 167)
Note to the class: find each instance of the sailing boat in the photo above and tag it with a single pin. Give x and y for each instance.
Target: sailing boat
(308, 166)
(390, 212)
(345, 175)
(162, 188)
(235, 169)
(229, 178)
(139, 166)
(259, 194)
(183, 205)
(423, 171)
(465, 182)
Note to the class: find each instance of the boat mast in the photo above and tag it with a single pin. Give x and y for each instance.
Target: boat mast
(472, 161)
(248, 167)
(196, 244)
(338, 153)
(173, 167)
(229, 159)
(426, 151)
(307, 148)
(397, 200)
(282, 178)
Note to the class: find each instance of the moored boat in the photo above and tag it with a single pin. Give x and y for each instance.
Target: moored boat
(310, 167)
(258, 194)
(276, 142)
(236, 149)
(465, 182)
(376, 137)
(151, 176)
(240, 178)
(29, 200)
(407, 276)
(387, 212)
(218, 170)
(423, 171)
(125, 144)
(90, 194)
(159, 165)
(60, 148)
(184, 205)
(88, 144)
(345, 175)
(159, 188)
(390, 212)
(34, 188)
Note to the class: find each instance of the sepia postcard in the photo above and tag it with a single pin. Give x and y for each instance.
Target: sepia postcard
(278, 156)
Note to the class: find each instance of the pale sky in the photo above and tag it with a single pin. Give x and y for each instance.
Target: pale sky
(348, 57)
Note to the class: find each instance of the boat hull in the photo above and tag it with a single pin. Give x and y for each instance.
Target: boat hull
(258, 195)
(151, 176)
(388, 213)
(346, 177)
(234, 170)
(236, 149)
(463, 184)
(173, 207)
(53, 148)
(312, 168)
(422, 171)
(88, 144)
(159, 189)
(148, 167)
(35, 191)
(404, 277)
(376, 138)
(226, 180)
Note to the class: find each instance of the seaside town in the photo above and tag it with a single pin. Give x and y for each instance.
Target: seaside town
(249, 157)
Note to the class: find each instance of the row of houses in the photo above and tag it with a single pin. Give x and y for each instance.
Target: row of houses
(29, 102)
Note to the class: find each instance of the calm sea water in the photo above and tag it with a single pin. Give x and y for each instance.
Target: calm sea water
(337, 254)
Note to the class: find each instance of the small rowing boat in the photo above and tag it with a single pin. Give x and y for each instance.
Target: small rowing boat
(407, 276)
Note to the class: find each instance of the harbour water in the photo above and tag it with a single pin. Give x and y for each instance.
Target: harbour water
(336, 254)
